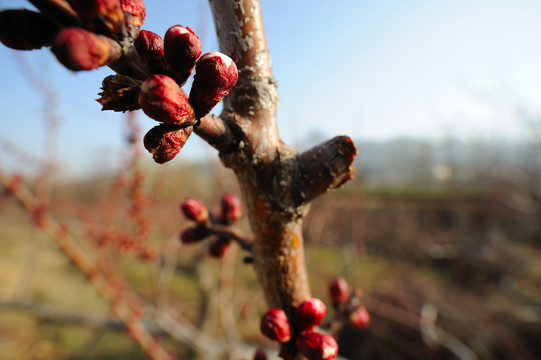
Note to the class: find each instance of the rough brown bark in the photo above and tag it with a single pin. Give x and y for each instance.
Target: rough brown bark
(276, 182)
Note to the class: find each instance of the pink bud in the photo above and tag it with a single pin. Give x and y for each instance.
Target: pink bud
(149, 47)
(182, 48)
(194, 234)
(338, 289)
(163, 100)
(231, 208)
(26, 30)
(215, 75)
(78, 49)
(218, 247)
(275, 325)
(360, 318)
(134, 16)
(165, 141)
(103, 16)
(316, 346)
(195, 210)
(310, 313)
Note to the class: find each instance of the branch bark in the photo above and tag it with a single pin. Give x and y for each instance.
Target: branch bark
(277, 183)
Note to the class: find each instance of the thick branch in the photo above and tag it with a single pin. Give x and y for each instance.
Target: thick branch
(326, 166)
(214, 131)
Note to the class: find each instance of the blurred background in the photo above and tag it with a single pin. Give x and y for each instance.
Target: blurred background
(441, 228)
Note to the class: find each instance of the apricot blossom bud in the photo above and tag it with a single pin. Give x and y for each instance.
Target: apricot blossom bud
(194, 234)
(181, 49)
(310, 313)
(275, 325)
(103, 16)
(134, 16)
(219, 246)
(149, 47)
(338, 290)
(195, 210)
(119, 93)
(78, 49)
(165, 141)
(26, 30)
(163, 100)
(316, 346)
(231, 208)
(360, 318)
(215, 75)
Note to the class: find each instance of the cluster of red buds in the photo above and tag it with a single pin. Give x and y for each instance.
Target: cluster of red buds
(83, 34)
(217, 228)
(348, 304)
(298, 333)
(172, 59)
(87, 34)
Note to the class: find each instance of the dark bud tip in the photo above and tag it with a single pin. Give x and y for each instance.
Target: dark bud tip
(149, 47)
(26, 30)
(165, 141)
(275, 325)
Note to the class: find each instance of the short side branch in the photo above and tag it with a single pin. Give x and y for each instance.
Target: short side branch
(326, 166)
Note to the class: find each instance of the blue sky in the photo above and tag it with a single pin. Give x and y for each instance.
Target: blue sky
(374, 70)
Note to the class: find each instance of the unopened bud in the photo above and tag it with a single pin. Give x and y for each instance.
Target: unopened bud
(275, 325)
(182, 48)
(163, 100)
(195, 210)
(149, 47)
(103, 16)
(26, 30)
(338, 290)
(231, 208)
(134, 16)
(78, 49)
(165, 141)
(219, 246)
(119, 93)
(360, 318)
(194, 234)
(310, 313)
(316, 346)
(215, 75)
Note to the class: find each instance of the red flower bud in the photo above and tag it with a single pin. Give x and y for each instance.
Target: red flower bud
(26, 30)
(134, 16)
(215, 75)
(218, 247)
(231, 209)
(338, 289)
(195, 210)
(316, 346)
(119, 93)
(149, 46)
(360, 318)
(78, 49)
(165, 141)
(102, 16)
(163, 100)
(182, 48)
(275, 325)
(194, 234)
(310, 313)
